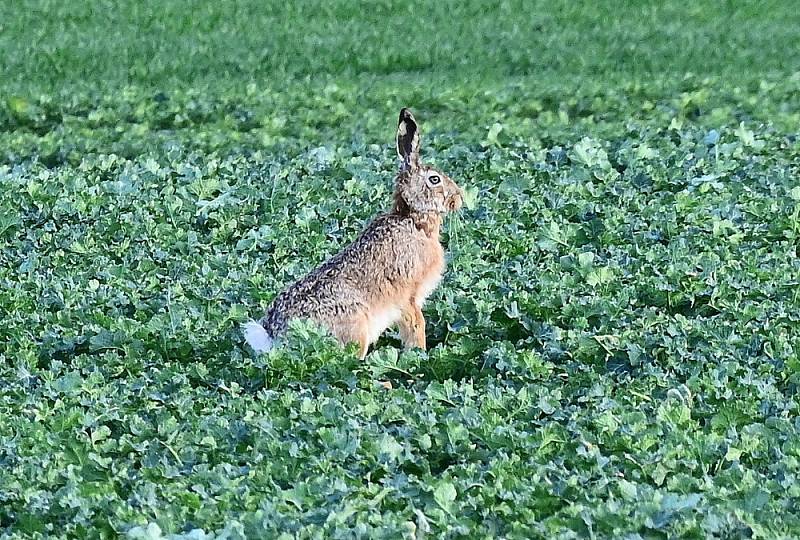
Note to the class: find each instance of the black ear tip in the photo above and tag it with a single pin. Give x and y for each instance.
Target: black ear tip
(405, 114)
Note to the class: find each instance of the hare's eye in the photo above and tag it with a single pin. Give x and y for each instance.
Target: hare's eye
(433, 179)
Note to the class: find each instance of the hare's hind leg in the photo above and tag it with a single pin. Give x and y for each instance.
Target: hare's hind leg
(358, 330)
(363, 346)
(412, 326)
(354, 330)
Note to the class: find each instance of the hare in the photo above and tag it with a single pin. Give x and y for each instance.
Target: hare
(383, 277)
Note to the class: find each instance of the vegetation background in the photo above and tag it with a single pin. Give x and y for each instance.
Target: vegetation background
(614, 350)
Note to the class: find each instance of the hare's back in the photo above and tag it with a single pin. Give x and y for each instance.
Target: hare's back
(367, 278)
(323, 295)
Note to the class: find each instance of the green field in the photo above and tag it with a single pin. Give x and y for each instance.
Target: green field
(614, 351)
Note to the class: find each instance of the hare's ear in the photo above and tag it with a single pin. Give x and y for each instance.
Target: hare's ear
(408, 140)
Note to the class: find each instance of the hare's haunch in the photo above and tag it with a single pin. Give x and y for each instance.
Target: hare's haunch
(385, 275)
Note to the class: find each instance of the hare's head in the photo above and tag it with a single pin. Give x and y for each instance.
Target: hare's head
(419, 187)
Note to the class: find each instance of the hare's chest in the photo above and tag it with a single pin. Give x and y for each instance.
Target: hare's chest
(431, 276)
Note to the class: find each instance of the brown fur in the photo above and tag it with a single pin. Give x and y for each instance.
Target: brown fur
(386, 274)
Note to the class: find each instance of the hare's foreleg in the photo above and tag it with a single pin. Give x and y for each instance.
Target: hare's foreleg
(419, 327)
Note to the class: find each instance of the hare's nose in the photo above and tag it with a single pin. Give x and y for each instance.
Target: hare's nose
(455, 202)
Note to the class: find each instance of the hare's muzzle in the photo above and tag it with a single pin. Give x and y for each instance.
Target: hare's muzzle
(456, 201)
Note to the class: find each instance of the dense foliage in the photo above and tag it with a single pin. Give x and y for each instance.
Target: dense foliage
(613, 351)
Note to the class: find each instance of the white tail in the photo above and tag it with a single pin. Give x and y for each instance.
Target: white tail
(257, 337)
